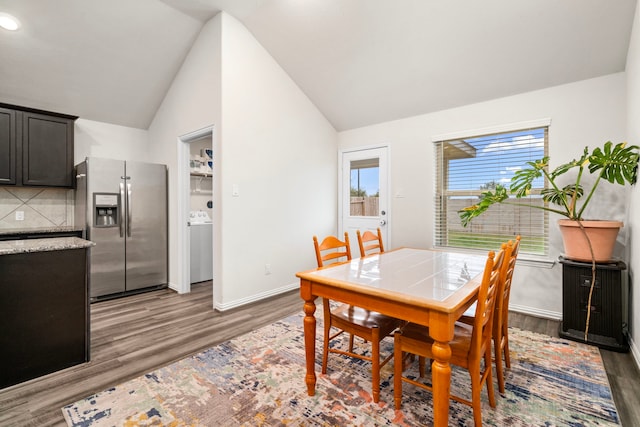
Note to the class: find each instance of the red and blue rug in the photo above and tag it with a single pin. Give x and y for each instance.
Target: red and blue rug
(258, 380)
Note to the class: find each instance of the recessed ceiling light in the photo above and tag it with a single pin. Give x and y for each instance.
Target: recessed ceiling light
(9, 22)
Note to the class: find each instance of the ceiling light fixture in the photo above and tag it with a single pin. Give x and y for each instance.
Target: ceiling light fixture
(9, 22)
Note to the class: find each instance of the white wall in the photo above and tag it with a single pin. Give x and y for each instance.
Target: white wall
(583, 113)
(98, 139)
(633, 135)
(280, 152)
(271, 142)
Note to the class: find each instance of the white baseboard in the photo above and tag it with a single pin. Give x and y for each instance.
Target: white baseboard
(635, 352)
(174, 287)
(546, 314)
(258, 297)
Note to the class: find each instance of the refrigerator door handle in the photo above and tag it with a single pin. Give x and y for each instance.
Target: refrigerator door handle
(129, 209)
(121, 209)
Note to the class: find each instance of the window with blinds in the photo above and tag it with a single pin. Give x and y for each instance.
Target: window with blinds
(466, 167)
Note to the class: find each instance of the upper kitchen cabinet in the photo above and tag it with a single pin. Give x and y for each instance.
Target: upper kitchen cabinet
(36, 147)
(7, 146)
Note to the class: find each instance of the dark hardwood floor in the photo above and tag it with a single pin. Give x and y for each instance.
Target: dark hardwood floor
(137, 334)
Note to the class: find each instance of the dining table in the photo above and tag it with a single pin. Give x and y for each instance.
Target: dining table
(428, 287)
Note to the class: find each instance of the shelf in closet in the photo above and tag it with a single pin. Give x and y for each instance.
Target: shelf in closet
(199, 176)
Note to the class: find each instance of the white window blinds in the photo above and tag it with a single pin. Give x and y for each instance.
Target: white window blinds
(466, 167)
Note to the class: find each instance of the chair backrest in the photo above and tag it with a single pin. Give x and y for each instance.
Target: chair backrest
(369, 242)
(487, 294)
(332, 249)
(506, 276)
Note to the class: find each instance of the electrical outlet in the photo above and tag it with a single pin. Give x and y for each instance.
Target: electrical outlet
(267, 269)
(19, 215)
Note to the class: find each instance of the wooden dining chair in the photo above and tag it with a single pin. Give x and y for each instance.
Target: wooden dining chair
(501, 320)
(369, 242)
(369, 325)
(471, 344)
(501, 313)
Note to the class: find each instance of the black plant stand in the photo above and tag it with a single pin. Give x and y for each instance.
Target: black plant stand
(609, 304)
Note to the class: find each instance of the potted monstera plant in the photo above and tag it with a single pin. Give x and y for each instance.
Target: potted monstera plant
(584, 240)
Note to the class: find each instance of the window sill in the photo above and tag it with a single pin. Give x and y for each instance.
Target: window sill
(526, 260)
(536, 262)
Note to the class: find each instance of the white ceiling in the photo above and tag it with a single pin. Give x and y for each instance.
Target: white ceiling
(360, 61)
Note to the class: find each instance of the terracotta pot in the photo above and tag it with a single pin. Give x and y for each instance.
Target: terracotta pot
(602, 235)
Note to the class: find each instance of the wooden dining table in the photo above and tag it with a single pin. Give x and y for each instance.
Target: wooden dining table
(431, 288)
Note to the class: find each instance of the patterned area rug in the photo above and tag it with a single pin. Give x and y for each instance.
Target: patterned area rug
(258, 380)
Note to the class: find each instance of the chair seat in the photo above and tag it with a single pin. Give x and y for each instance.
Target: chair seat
(366, 324)
(460, 344)
(469, 315)
(364, 318)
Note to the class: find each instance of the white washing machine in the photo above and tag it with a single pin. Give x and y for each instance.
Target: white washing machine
(201, 247)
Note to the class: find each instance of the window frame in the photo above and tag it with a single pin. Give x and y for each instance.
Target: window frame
(441, 195)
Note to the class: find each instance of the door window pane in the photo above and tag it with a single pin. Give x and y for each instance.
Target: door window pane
(365, 187)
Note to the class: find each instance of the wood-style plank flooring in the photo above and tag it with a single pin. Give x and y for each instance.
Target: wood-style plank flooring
(137, 334)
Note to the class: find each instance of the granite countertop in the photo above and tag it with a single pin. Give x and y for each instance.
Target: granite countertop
(40, 230)
(9, 247)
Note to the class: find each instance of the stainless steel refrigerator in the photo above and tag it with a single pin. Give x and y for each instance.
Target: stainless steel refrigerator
(123, 206)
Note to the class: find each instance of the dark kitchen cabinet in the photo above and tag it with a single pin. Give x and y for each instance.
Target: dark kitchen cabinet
(7, 146)
(36, 147)
(44, 313)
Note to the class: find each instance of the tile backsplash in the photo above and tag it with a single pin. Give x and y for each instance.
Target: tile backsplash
(41, 207)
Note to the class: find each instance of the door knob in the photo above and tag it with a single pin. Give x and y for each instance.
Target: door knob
(383, 222)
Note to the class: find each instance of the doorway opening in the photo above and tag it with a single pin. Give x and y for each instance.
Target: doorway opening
(201, 210)
(195, 211)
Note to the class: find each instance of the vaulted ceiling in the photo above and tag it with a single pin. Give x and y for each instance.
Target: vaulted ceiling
(359, 61)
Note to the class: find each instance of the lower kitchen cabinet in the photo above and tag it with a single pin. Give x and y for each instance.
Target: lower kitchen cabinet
(44, 313)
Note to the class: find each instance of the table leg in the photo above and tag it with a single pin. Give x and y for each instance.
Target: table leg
(441, 370)
(441, 377)
(309, 338)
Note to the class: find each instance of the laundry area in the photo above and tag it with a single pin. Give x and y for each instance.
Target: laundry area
(201, 208)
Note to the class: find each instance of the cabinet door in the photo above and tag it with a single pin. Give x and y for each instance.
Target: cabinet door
(47, 150)
(7, 146)
(45, 313)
